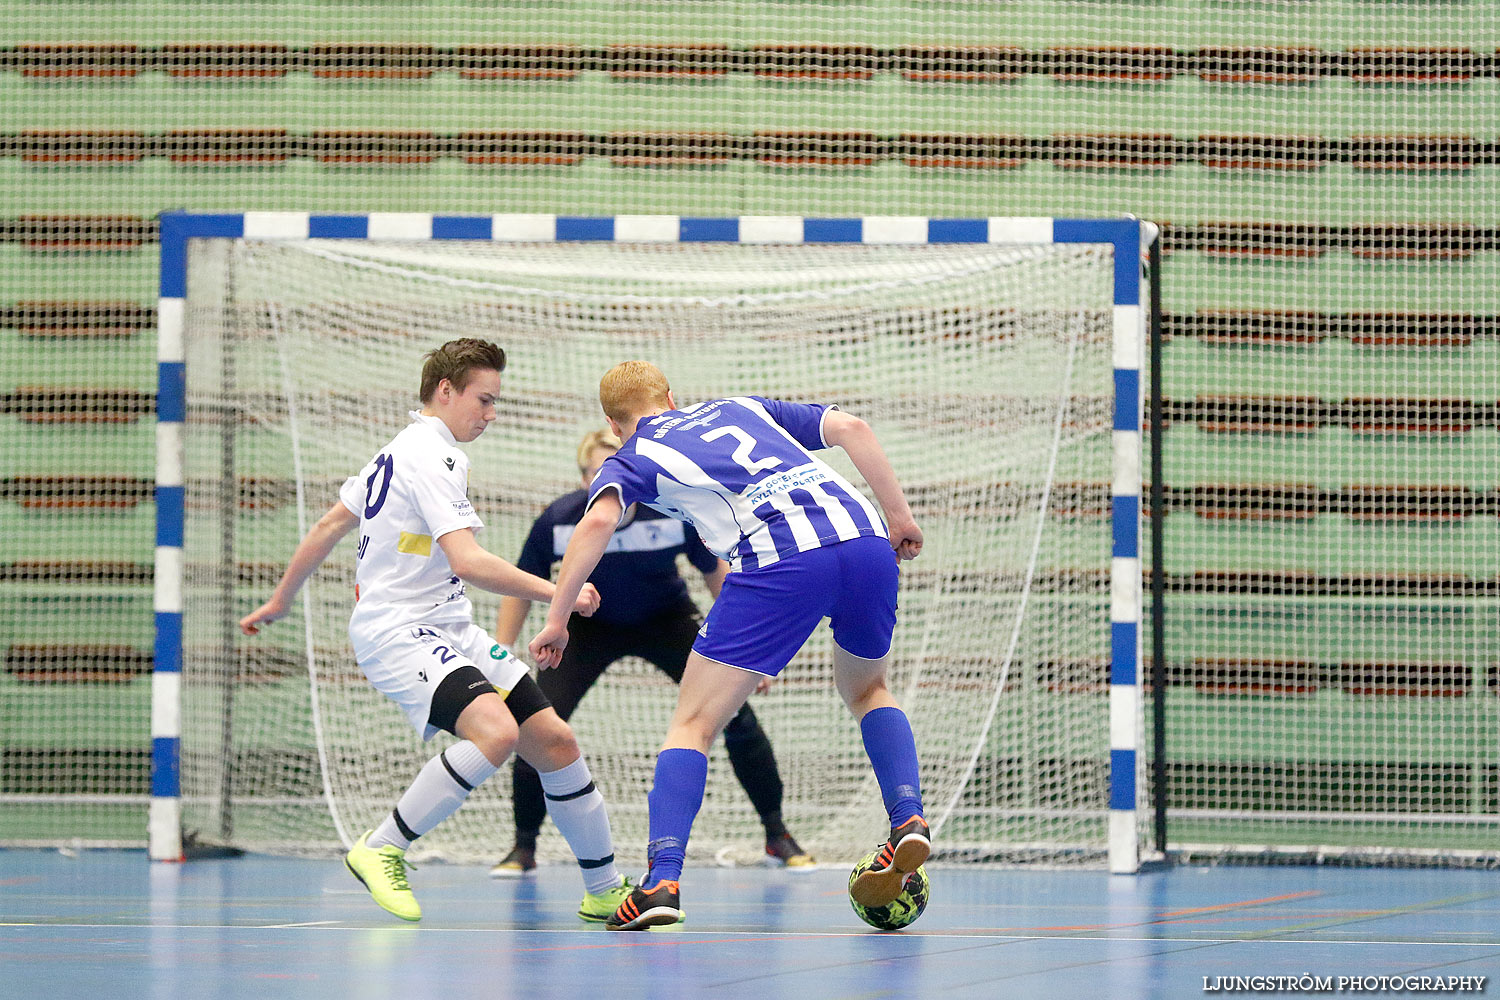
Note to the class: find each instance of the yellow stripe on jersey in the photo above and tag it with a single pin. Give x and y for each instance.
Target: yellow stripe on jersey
(414, 545)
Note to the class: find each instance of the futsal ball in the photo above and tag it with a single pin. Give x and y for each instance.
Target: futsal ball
(900, 911)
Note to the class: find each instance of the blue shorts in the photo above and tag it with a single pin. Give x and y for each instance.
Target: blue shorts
(764, 616)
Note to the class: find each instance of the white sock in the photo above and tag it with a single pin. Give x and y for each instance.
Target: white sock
(577, 808)
(439, 789)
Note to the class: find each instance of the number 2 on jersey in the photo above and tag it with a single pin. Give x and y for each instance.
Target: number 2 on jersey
(742, 453)
(383, 464)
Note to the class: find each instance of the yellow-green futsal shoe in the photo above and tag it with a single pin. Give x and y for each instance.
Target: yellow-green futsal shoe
(383, 871)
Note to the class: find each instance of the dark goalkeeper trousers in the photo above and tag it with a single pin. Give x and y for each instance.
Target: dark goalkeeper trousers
(664, 641)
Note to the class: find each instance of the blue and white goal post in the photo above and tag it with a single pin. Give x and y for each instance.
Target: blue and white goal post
(1127, 236)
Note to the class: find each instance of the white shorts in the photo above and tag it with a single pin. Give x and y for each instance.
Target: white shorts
(410, 664)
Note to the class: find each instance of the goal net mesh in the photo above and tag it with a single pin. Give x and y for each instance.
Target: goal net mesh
(986, 371)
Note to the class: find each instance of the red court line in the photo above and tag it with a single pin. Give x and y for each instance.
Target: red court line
(1165, 917)
(1261, 917)
(1247, 902)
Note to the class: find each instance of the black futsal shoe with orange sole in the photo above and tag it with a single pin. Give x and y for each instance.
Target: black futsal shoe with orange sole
(643, 908)
(903, 853)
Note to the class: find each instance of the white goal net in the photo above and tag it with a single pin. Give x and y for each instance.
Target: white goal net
(985, 369)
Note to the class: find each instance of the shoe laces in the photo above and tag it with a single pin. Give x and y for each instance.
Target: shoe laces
(395, 870)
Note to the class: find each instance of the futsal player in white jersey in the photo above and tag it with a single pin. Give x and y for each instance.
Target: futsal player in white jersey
(802, 544)
(415, 639)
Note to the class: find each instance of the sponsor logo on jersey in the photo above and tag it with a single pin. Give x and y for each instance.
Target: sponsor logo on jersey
(423, 675)
(449, 462)
(498, 652)
(462, 507)
(414, 545)
(701, 421)
(793, 479)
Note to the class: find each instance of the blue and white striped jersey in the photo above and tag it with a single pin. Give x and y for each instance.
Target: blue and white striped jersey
(739, 470)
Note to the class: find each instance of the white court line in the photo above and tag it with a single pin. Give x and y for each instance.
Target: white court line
(906, 934)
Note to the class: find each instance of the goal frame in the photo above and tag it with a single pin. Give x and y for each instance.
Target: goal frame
(1127, 236)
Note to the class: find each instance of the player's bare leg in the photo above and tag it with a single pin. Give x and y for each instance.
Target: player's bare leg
(888, 741)
(547, 742)
(710, 695)
(861, 682)
(487, 723)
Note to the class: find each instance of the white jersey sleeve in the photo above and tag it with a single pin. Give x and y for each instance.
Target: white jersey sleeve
(440, 495)
(352, 495)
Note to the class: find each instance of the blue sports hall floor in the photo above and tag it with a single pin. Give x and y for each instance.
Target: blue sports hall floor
(109, 924)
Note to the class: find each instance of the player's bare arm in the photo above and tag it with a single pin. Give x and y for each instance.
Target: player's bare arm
(584, 549)
(512, 615)
(308, 556)
(476, 565)
(859, 442)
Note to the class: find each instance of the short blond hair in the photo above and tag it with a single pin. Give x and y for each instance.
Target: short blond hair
(631, 389)
(602, 438)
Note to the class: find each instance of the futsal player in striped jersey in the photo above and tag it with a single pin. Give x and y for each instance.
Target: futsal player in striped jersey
(414, 635)
(802, 544)
(645, 611)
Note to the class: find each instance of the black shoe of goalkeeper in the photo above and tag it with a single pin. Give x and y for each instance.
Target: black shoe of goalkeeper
(520, 861)
(786, 851)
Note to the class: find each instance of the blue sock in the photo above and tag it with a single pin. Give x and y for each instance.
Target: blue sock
(893, 754)
(675, 797)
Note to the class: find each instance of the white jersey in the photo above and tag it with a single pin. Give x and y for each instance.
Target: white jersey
(407, 497)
